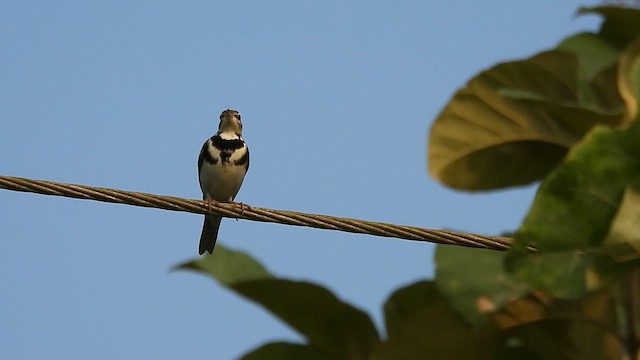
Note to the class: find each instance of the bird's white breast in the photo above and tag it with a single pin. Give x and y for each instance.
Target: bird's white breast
(222, 181)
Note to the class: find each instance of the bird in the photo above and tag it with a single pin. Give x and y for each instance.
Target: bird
(222, 164)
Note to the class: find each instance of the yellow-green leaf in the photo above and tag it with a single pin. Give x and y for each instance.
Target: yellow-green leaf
(629, 77)
(564, 329)
(623, 240)
(511, 124)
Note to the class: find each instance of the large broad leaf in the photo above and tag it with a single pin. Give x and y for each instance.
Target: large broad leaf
(573, 211)
(560, 329)
(621, 24)
(338, 329)
(285, 351)
(421, 325)
(228, 266)
(512, 123)
(475, 281)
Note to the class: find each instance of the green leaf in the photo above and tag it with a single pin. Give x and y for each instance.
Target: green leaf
(339, 329)
(336, 328)
(421, 325)
(511, 124)
(621, 24)
(597, 81)
(573, 211)
(285, 351)
(594, 52)
(227, 266)
(623, 241)
(475, 281)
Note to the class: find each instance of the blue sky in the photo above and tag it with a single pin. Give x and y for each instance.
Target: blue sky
(337, 99)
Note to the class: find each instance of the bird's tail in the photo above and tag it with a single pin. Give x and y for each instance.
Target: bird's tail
(209, 233)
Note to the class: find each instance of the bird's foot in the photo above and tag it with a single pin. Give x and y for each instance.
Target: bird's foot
(210, 203)
(242, 207)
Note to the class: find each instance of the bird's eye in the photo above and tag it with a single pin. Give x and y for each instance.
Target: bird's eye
(239, 117)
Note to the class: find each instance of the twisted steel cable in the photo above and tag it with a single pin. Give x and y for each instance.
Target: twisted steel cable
(254, 213)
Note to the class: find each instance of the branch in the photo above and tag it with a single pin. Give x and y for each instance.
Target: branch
(254, 213)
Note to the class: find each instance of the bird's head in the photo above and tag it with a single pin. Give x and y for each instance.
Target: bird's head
(230, 121)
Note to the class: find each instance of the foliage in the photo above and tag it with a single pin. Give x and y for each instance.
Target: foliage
(568, 117)
(420, 319)
(573, 212)
(511, 124)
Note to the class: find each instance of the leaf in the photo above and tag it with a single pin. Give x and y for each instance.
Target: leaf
(623, 240)
(573, 210)
(594, 52)
(285, 351)
(598, 307)
(564, 329)
(598, 82)
(421, 325)
(621, 24)
(474, 281)
(567, 339)
(629, 77)
(511, 124)
(227, 266)
(605, 92)
(336, 328)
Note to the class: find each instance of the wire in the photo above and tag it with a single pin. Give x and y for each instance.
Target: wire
(243, 211)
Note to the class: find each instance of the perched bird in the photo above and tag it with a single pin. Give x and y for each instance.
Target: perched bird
(222, 165)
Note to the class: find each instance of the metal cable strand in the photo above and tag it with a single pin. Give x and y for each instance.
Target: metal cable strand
(254, 213)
